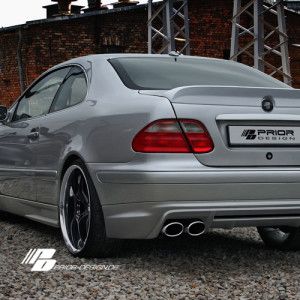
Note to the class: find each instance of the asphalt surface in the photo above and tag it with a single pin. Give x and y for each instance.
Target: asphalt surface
(220, 265)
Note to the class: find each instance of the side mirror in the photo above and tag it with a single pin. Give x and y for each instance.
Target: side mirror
(3, 113)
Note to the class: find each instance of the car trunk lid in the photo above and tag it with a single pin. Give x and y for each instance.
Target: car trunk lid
(243, 133)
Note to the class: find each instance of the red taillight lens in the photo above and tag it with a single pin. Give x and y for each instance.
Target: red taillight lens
(168, 136)
(161, 136)
(197, 136)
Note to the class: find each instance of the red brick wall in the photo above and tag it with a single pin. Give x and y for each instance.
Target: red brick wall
(293, 26)
(48, 43)
(210, 26)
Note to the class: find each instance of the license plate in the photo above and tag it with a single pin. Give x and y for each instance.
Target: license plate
(264, 135)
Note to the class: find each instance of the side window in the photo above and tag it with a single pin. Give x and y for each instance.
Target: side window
(72, 92)
(37, 101)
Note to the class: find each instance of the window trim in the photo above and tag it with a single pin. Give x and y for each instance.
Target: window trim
(42, 76)
(61, 86)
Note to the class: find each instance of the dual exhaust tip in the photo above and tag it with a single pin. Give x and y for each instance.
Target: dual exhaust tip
(174, 229)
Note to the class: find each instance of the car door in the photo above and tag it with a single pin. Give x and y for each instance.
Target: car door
(19, 138)
(58, 129)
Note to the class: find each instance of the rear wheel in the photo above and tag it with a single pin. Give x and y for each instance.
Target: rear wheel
(81, 217)
(282, 237)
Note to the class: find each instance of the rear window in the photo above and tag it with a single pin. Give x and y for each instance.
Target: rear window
(155, 73)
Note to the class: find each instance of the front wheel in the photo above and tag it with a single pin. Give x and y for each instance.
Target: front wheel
(281, 237)
(81, 217)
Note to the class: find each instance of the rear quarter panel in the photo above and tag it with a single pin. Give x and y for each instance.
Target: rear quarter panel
(100, 129)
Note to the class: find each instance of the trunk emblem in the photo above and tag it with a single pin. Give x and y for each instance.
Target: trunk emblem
(267, 104)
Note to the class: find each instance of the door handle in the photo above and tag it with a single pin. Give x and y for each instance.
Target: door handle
(33, 135)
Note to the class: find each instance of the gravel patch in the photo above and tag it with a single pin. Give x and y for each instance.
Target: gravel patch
(219, 265)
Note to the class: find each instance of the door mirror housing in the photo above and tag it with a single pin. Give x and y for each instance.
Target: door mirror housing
(3, 113)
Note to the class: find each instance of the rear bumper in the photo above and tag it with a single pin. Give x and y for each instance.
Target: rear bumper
(137, 201)
(145, 220)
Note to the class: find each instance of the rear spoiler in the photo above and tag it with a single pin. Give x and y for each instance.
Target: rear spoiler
(234, 95)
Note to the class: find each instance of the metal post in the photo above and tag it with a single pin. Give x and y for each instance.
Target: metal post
(258, 35)
(168, 27)
(187, 29)
(20, 62)
(235, 31)
(283, 39)
(150, 8)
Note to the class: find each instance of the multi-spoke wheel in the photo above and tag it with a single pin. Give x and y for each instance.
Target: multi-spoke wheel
(75, 210)
(81, 217)
(281, 237)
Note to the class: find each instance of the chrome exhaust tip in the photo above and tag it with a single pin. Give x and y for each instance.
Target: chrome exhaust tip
(173, 229)
(196, 228)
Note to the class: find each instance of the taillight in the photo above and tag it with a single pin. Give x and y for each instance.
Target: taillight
(173, 136)
(197, 136)
(161, 136)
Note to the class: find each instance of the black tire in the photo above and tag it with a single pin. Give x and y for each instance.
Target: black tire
(282, 238)
(95, 243)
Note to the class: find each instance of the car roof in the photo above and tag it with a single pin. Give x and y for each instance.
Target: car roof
(97, 57)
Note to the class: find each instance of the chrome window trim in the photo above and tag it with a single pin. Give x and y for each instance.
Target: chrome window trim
(16, 103)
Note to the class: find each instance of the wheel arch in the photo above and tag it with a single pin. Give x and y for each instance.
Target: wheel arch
(69, 159)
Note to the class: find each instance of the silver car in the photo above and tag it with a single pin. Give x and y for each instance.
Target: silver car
(126, 146)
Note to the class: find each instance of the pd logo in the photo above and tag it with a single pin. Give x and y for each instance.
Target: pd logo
(249, 134)
(41, 259)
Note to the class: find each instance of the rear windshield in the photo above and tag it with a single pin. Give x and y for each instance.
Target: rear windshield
(155, 73)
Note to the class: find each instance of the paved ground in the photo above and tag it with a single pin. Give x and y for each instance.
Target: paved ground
(220, 265)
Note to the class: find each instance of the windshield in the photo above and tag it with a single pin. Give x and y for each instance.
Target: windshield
(165, 73)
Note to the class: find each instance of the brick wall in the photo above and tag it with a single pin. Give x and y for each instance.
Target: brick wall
(43, 44)
(293, 26)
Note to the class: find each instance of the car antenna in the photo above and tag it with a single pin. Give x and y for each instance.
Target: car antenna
(174, 54)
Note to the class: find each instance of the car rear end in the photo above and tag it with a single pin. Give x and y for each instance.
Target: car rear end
(226, 156)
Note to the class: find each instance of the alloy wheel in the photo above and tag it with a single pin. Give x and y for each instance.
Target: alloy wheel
(75, 209)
